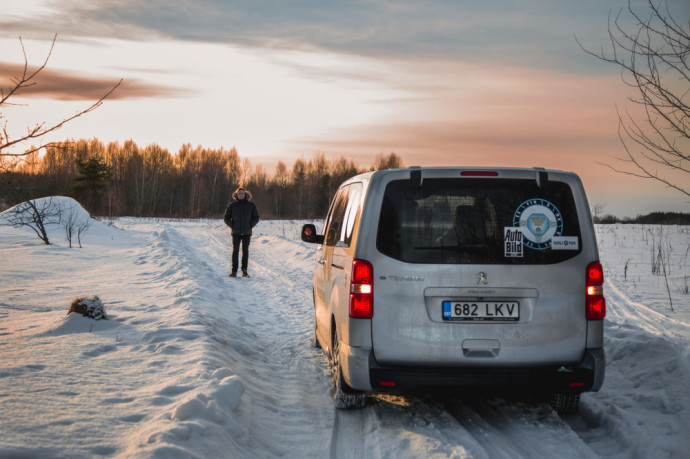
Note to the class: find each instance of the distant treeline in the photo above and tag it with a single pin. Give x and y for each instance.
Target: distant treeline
(128, 180)
(654, 218)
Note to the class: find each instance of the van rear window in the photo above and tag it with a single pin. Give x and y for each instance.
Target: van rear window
(479, 221)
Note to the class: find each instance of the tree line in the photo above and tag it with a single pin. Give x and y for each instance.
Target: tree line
(653, 218)
(129, 180)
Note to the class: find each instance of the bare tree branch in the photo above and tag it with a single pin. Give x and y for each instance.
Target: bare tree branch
(655, 61)
(27, 79)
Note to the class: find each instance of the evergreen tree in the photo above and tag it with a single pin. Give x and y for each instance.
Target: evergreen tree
(90, 185)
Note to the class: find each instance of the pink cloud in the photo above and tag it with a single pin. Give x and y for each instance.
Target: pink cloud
(68, 86)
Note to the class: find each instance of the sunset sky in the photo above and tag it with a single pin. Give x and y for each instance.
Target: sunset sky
(500, 83)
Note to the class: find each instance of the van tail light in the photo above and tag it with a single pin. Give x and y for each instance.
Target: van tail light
(362, 290)
(596, 304)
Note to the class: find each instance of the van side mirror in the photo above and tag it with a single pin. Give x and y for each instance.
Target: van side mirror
(309, 234)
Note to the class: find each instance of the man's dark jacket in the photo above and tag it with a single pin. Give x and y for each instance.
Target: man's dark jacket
(241, 215)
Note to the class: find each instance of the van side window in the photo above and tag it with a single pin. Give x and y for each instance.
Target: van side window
(335, 218)
(351, 213)
(346, 209)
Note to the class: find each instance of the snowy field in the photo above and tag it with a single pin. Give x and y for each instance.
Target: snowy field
(192, 363)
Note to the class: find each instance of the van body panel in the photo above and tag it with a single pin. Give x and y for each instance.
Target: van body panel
(321, 318)
(356, 365)
(333, 271)
(595, 334)
(408, 328)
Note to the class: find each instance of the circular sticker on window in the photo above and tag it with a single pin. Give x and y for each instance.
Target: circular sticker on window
(540, 221)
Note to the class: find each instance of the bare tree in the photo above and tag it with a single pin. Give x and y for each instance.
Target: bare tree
(246, 172)
(597, 212)
(82, 226)
(655, 61)
(390, 161)
(34, 214)
(24, 81)
(68, 220)
(73, 221)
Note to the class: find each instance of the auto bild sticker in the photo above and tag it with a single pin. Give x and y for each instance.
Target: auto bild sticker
(512, 242)
(540, 221)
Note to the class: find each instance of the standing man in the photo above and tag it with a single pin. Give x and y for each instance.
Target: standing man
(241, 216)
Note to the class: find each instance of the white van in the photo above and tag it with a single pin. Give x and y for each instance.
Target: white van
(482, 279)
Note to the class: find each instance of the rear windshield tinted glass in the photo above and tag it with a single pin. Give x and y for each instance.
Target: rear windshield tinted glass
(479, 221)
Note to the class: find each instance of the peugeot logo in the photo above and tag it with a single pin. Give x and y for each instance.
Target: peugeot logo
(481, 278)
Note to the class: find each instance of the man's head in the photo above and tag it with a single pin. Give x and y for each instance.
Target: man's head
(241, 193)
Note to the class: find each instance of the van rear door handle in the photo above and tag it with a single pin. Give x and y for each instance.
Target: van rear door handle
(337, 266)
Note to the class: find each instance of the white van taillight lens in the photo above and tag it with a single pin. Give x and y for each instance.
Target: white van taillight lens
(596, 304)
(362, 290)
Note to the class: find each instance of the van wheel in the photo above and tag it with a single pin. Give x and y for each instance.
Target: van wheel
(565, 403)
(344, 396)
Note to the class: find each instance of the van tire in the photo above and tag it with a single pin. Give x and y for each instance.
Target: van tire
(565, 403)
(344, 397)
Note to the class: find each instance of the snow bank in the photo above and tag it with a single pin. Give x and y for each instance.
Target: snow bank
(61, 212)
(643, 409)
(76, 323)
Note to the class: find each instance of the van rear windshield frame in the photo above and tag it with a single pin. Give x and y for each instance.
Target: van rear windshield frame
(464, 221)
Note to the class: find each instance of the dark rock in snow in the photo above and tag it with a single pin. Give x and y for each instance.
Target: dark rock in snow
(88, 307)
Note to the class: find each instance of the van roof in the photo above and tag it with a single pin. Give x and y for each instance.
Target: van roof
(472, 169)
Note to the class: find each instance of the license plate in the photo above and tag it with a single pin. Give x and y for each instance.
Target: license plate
(481, 311)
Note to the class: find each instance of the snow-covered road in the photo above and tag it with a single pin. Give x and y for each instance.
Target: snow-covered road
(287, 382)
(193, 363)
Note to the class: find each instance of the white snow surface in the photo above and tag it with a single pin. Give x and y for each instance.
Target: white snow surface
(192, 363)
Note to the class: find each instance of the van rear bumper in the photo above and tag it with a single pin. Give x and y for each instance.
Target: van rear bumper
(586, 376)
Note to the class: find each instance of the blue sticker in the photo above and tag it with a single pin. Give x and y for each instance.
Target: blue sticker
(540, 221)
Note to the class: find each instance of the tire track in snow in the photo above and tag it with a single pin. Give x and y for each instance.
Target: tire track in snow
(285, 381)
(396, 426)
(350, 428)
(516, 429)
(303, 401)
(623, 310)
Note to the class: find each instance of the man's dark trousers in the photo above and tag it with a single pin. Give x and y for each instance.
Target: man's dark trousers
(236, 248)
